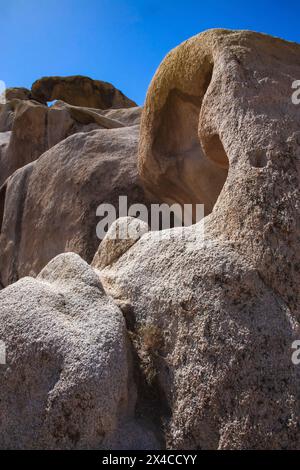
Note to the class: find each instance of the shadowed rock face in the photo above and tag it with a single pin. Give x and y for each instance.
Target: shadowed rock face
(93, 169)
(34, 129)
(80, 91)
(223, 297)
(83, 105)
(7, 116)
(247, 111)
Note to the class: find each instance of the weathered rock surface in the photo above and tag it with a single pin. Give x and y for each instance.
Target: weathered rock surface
(6, 116)
(68, 379)
(17, 93)
(80, 91)
(36, 128)
(108, 118)
(128, 116)
(212, 309)
(4, 142)
(50, 205)
(28, 139)
(215, 307)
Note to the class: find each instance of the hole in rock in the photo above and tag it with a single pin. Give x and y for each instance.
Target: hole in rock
(51, 103)
(190, 171)
(258, 159)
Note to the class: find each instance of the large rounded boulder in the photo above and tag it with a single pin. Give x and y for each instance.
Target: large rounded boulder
(67, 380)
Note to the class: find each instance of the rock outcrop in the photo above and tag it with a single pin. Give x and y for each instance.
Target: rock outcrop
(4, 142)
(36, 128)
(50, 205)
(80, 91)
(17, 93)
(211, 310)
(68, 380)
(6, 116)
(215, 307)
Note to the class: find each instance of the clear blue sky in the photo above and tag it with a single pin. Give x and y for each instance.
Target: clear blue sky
(121, 41)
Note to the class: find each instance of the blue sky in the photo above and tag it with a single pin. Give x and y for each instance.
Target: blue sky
(120, 41)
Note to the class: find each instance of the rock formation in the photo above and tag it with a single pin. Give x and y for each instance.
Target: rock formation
(80, 91)
(77, 176)
(211, 310)
(36, 128)
(6, 116)
(50, 204)
(221, 299)
(121, 236)
(69, 382)
(17, 93)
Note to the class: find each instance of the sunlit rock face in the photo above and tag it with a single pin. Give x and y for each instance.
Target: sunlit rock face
(76, 104)
(221, 297)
